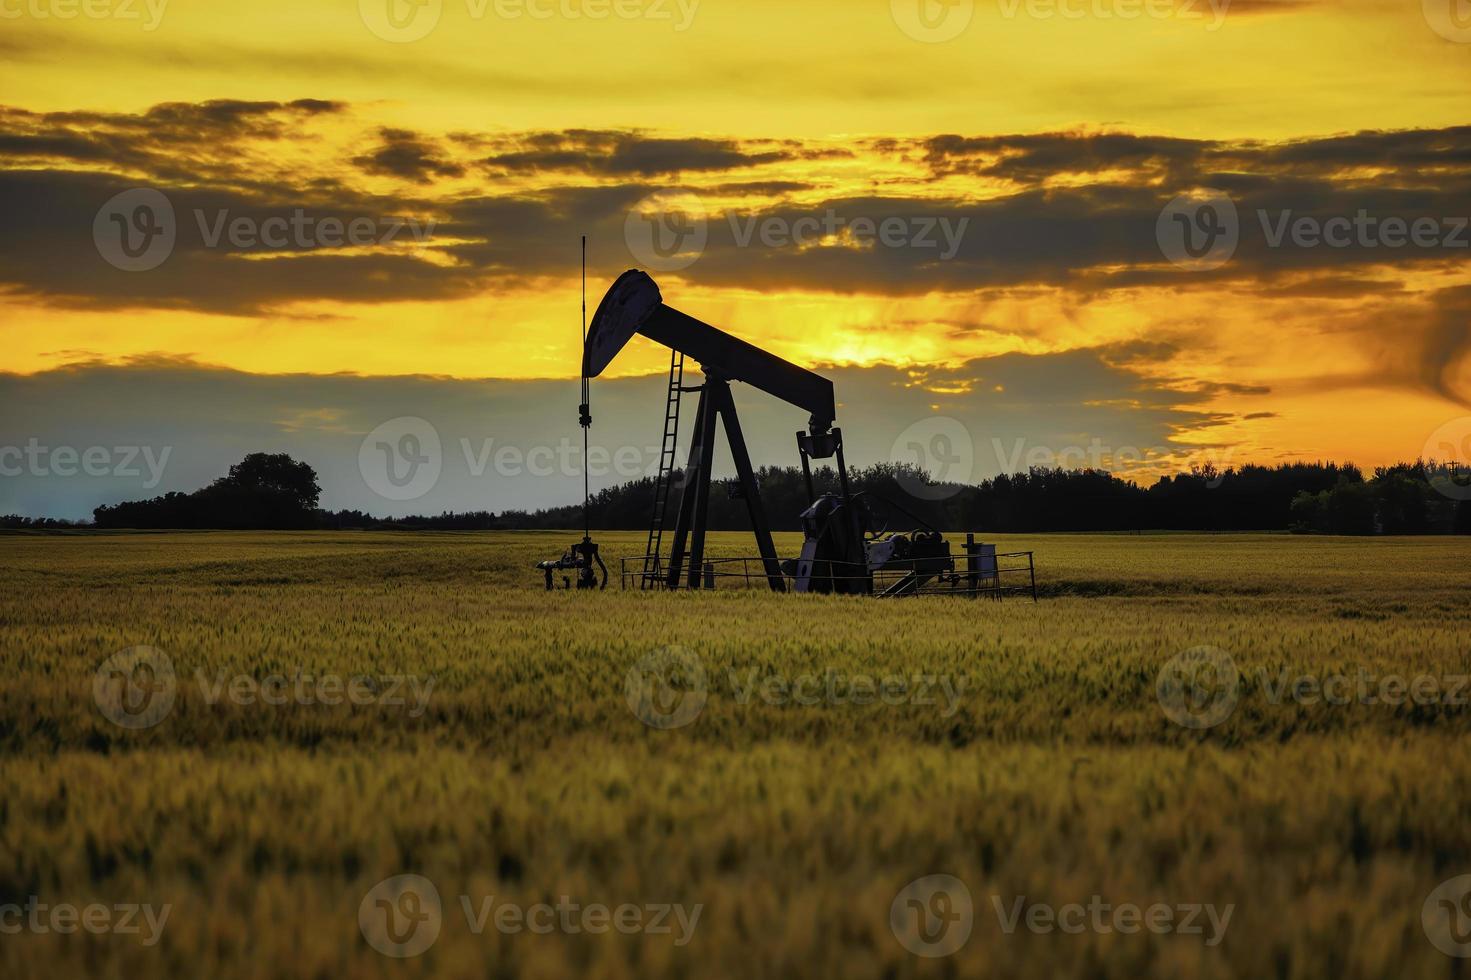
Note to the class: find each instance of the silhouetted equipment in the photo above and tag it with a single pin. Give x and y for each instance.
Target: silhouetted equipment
(581, 558)
(841, 552)
(634, 305)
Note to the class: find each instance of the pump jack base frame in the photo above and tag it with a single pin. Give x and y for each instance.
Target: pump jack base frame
(1012, 575)
(686, 564)
(686, 567)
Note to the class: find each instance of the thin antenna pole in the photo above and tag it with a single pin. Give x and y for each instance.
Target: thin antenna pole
(586, 417)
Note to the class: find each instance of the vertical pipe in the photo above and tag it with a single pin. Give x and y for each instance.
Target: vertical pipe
(584, 415)
(856, 562)
(973, 566)
(842, 467)
(806, 471)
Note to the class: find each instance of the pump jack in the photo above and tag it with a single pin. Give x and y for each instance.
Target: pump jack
(634, 305)
(837, 553)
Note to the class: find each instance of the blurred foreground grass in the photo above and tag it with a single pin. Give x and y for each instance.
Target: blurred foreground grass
(1044, 768)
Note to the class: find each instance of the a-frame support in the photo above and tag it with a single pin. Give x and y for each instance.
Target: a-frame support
(694, 491)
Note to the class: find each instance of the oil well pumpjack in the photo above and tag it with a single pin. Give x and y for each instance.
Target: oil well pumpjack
(840, 552)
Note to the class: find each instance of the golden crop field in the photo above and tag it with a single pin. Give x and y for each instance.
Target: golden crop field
(486, 736)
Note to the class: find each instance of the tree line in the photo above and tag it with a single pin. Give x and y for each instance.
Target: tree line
(1409, 498)
(274, 491)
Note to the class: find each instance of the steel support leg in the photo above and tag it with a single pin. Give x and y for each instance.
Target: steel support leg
(725, 404)
(688, 491)
(702, 482)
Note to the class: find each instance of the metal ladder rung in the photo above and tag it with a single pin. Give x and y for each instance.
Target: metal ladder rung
(668, 450)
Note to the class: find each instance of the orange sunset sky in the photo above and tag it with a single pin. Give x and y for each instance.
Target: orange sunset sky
(1056, 131)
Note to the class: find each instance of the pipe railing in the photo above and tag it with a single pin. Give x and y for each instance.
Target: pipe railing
(1015, 573)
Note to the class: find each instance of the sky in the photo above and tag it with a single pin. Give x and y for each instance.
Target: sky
(1142, 234)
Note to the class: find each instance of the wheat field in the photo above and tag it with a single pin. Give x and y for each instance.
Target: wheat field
(349, 708)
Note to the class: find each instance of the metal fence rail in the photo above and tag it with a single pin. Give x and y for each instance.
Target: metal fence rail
(1015, 574)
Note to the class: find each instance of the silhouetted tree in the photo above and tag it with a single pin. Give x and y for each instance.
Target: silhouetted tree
(276, 473)
(14, 522)
(261, 492)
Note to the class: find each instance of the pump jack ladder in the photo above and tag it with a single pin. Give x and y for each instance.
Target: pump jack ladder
(652, 568)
